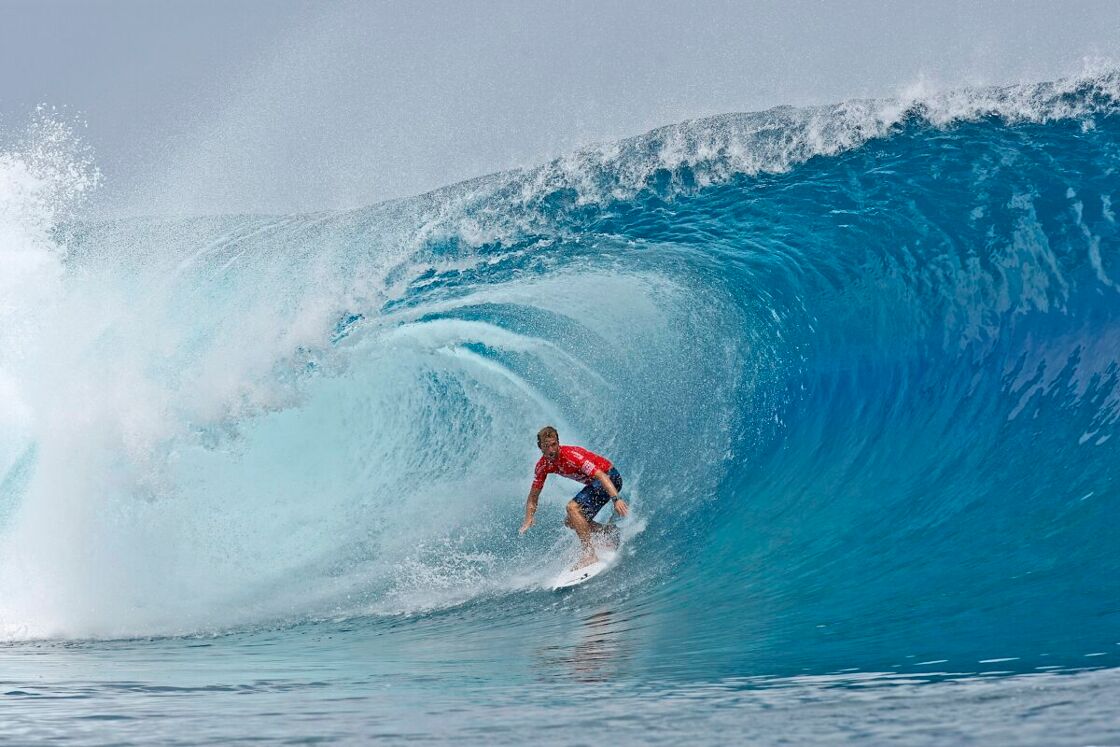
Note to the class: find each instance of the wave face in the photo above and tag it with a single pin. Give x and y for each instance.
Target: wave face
(857, 364)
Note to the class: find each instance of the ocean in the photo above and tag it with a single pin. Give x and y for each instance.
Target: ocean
(261, 475)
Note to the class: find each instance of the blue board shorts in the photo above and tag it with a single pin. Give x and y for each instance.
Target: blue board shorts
(595, 496)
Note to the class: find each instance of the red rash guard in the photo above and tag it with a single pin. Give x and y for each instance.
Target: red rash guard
(572, 462)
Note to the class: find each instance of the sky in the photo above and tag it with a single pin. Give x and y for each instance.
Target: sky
(279, 106)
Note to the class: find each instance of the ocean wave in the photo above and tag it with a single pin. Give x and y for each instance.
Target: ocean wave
(857, 364)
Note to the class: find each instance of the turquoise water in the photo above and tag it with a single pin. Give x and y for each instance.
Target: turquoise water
(261, 476)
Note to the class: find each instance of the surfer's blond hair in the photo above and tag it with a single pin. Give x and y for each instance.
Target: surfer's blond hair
(547, 432)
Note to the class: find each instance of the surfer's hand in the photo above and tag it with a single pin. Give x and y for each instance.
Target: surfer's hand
(525, 527)
(621, 508)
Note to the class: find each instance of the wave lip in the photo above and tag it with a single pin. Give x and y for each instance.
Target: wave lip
(698, 153)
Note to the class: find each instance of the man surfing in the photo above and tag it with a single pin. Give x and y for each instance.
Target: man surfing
(601, 480)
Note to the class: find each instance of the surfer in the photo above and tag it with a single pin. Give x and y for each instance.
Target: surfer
(600, 478)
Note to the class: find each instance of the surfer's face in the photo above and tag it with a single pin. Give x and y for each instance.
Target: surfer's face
(550, 447)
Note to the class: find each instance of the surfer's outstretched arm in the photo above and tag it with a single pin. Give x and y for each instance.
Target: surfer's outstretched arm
(530, 509)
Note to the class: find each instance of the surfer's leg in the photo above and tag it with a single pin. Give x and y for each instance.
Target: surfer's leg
(581, 518)
(582, 527)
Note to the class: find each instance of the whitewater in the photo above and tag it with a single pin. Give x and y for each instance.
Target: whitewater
(858, 363)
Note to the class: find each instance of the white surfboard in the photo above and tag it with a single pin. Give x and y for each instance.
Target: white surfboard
(576, 576)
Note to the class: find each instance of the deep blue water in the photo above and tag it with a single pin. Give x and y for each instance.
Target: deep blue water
(262, 475)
